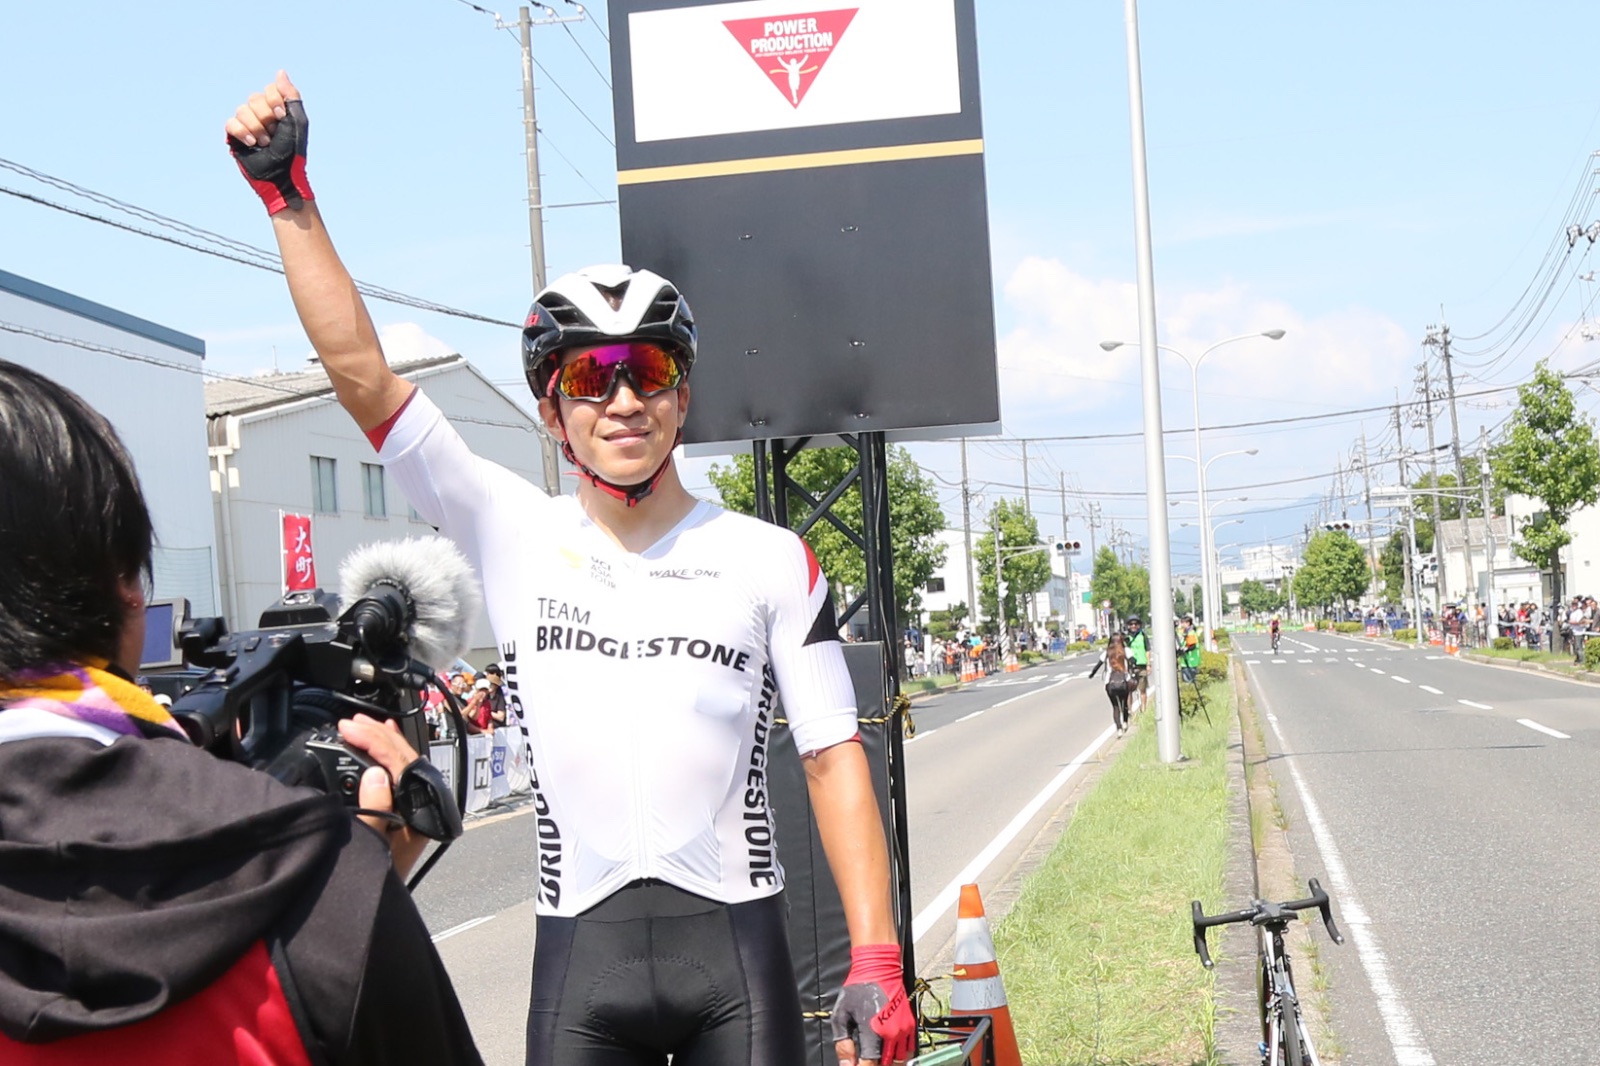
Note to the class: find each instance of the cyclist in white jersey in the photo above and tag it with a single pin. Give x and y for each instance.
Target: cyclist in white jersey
(645, 635)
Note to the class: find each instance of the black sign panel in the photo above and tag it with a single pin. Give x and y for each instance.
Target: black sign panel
(812, 178)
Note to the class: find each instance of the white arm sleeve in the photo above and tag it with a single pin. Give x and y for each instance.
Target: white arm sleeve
(818, 698)
(451, 488)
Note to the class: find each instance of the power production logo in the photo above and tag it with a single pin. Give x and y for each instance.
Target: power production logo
(792, 49)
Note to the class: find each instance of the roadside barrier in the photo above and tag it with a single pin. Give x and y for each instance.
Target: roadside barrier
(976, 987)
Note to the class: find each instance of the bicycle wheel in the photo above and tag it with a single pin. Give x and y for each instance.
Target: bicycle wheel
(1289, 1020)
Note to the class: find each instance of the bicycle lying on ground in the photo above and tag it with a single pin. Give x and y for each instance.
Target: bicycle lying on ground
(1285, 1039)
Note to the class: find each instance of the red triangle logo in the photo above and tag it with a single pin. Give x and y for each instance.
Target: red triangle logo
(791, 49)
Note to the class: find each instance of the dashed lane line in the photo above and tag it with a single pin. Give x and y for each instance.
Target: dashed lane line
(1430, 688)
(1479, 706)
(1397, 677)
(1374, 669)
(1531, 724)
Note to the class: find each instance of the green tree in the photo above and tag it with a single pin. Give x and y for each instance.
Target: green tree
(1334, 572)
(1549, 453)
(1127, 587)
(1393, 563)
(1180, 603)
(1023, 572)
(1256, 598)
(946, 624)
(915, 519)
(1197, 600)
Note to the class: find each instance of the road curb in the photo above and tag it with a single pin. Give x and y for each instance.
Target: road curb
(1238, 1031)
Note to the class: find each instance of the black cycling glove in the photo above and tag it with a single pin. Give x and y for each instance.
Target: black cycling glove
(277, 171)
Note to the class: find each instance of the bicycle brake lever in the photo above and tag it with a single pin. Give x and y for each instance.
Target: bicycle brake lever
(1196, 913)
(1324, 905)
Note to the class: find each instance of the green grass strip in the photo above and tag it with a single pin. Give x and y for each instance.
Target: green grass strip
(1097, 955)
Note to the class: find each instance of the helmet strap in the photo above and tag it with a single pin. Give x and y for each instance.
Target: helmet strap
(629, 494)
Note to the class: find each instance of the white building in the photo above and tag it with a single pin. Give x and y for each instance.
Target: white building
(1056, 602)
(1461, 551)
(145, 379)
(1271, 564)
(281, 442)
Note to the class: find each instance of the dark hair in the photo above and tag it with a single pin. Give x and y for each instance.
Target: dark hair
(73, 525)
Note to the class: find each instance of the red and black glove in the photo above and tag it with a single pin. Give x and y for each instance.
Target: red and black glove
(277, 170)
(872, 1008)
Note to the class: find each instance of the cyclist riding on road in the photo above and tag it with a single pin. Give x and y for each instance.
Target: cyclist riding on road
(1275, 632)
(652, 633)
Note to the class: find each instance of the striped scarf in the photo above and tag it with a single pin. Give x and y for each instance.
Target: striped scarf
(90, 693)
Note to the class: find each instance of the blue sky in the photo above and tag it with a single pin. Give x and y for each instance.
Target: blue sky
(1342, 172)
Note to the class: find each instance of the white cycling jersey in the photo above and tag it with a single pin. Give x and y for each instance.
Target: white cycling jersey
(644, 682)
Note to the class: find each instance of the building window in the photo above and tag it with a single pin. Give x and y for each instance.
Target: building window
(324, 488)
(372, 490)
(936, 584)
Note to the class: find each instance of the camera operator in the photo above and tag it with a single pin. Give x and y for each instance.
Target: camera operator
(157, 904)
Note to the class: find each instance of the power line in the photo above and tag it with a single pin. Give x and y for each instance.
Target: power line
(604, 136)
(585, 52)
(225, 247)
(214, 375)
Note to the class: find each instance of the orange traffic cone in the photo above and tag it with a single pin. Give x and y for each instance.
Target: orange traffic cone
(977, 988)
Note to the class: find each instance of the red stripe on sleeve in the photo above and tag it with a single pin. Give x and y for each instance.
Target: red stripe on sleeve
(380, 432)
(813, 570)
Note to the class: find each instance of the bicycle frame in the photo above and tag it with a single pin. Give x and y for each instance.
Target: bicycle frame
(1285, 1041)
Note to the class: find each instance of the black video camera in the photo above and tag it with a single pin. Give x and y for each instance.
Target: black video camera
(275, 695)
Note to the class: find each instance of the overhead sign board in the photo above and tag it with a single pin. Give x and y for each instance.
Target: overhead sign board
(699, 71)
(811, 175)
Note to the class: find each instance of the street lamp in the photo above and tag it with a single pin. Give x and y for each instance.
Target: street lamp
(1194, 380)
(1215, 588)
(1208, 576)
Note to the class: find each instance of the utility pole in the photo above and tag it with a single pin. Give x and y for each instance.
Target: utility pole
(1413, 587)
(1440, 338)
(1072, 607)
(530, 132)
(1366, 493)
(1433, 471)
(1027, 509)
(1491, 610)
(966, 527)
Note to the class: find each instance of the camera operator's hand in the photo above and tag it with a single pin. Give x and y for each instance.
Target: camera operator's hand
(384, 744)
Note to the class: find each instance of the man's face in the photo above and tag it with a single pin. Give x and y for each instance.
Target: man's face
(624, 438)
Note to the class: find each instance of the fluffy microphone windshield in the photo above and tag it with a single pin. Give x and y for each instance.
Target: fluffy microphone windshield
(437, 578)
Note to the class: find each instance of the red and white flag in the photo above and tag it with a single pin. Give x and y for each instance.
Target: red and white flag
(299, 564)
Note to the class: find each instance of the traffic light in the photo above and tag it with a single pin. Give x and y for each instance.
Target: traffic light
(1068, 547)
(1427, 567)
(1342, 527)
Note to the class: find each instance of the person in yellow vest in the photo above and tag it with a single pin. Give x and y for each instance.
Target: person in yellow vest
(1189, 656)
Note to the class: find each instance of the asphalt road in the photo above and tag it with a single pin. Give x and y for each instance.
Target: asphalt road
(990, 767)
(1449, 809)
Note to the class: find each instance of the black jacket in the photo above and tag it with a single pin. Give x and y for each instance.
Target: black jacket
(137, 876)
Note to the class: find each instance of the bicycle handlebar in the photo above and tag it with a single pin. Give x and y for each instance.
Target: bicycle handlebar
(1263, 913)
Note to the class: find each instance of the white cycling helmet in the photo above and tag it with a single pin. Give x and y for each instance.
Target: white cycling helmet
(604, 305)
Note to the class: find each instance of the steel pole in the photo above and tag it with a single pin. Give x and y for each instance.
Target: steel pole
(530, 133)
(1163, 663)
(1207, 565)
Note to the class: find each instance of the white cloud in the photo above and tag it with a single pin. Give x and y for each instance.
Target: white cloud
(1051, 363)
(404, 341)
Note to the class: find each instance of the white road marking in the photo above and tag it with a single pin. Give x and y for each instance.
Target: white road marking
(947, 895)
(1436, 656)
(1302, 660)
(1332, 660)
(1480, 706)
(1280, 662)
(1352, 649)
(463, 927)
(1374, 669)
(1404, 1036)
(974, 714)
(922, 733)
(1397, 677)
(1430, 688)
(1531, 724)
